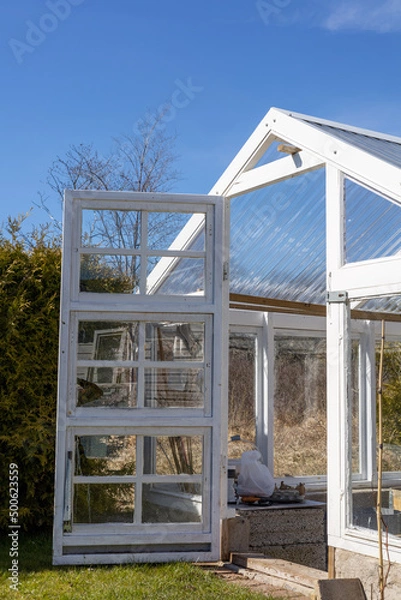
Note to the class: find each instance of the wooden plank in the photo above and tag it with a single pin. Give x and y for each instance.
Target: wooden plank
(280, 569)
(258, 303)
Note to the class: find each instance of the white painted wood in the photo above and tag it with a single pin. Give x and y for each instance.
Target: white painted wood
(143, 421)
(268, 387)
(374, 172)
(367, 403)
(337, 361)
(247, 157)
(274, 172)
(83, 537)
(125, 558)
(370, 278)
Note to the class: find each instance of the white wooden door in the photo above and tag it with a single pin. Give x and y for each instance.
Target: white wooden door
(142, 378)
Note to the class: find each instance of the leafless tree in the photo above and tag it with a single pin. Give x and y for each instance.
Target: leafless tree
(142, 161)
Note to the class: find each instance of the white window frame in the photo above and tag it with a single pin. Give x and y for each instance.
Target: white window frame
(353, 281)
(211, 421)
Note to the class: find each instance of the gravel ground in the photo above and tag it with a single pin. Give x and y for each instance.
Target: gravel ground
(254, 583)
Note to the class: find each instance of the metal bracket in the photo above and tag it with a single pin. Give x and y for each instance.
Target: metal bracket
(337, 297)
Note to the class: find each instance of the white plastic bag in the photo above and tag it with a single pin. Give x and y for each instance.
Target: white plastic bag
(255, 478)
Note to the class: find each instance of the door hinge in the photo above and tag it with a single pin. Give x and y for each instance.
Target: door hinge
(225, 271)
(337, 297)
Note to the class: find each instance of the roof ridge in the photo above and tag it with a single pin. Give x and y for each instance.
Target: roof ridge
(343, 126)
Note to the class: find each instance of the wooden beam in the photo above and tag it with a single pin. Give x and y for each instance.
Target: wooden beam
(247, 302)
(274, 172)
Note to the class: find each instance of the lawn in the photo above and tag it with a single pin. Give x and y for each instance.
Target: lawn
(38, 579)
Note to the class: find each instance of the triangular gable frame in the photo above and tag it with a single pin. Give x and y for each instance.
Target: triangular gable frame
(317, 149)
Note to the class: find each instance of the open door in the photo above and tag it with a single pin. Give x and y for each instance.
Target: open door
(142, 416)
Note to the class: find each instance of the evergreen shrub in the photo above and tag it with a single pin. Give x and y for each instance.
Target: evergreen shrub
(30, 267)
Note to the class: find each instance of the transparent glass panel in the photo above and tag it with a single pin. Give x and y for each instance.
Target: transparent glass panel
(300, 406)
(111, 228)
(172, 503)
(186, 277)
(173, 455)
(113, 387)
(364, 501)
(164, 227)
(373, 224)
(241, 391)
(174, 388)
(272, 153)
(105, 455)
(109, 274)
(169, 341)
(300, 421)
(103, 503)
(107, 340)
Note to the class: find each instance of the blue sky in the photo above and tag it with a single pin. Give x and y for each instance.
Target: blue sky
(77, 71)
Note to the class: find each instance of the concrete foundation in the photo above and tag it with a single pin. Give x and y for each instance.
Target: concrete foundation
(349, 564)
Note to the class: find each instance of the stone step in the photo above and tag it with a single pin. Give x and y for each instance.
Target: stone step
(280, 573)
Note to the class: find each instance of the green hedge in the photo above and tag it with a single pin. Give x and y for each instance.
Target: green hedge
(29, 318)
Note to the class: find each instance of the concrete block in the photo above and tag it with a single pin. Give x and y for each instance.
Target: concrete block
(286, 527)
(308, 555)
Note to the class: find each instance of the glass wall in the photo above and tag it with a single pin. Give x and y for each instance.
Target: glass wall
(300, 406)
(242, 391)
(364, 501)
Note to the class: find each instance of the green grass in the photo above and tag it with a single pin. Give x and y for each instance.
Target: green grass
(38, 579)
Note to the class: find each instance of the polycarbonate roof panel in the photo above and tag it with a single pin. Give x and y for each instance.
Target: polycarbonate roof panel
(373, 224)
(386, 304)
(278, 240)
(384, 149)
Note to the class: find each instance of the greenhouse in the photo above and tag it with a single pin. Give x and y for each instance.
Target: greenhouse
(194, 327)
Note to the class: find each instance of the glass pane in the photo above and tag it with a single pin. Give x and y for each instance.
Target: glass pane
(373, 224)
(114, 387)
(174, 341)
(105, 455)
(172, 503)
(107, 340)
(391, 404)
(174, 388)
(364, 501)
(111, 228)
(300, 406)
(103, 503)
(109, 274)
(173, 455)
(164, 227)
(186, 277)
(241, 391)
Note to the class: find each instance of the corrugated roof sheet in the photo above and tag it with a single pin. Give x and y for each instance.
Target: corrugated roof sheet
(383, 148)
(278, 240)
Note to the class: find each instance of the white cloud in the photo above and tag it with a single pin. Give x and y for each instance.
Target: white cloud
(365, 15)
